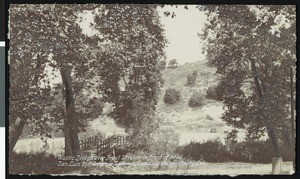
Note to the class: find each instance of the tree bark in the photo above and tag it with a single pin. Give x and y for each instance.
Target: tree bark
(16, 135)
(72, 146)
(292, 116)
(270, 131)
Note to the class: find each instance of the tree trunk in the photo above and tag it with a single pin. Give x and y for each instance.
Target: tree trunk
(72, 146)
(292, 116)
(16, 135)
(68, 145)
(270, 131)
(18, 128)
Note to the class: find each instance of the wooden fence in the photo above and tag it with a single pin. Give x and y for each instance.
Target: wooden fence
(89, 143)
(102, 146)
(110, 142)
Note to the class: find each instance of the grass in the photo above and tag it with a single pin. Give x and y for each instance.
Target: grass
(188, 168)
(39, 163)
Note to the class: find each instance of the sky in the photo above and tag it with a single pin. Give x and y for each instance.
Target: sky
(181, 31)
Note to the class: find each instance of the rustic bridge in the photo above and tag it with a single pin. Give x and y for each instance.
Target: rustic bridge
(102, 146)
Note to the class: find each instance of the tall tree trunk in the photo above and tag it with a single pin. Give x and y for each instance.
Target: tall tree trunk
(68, 145)
(292, 116)
(270, 131)
(17, 131)
(72, 146)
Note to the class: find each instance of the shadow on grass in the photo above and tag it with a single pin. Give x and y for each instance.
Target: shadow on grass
(39, 163)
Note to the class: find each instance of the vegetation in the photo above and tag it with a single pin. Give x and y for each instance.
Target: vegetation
(247, 151)
(196, 100)
(254, 67)
(210, 151)
(173, 64)
(121, 64)
(143, 128)
(86, 64)
(172, 96)
(39, 163)
(163, 64)
(191, 78)
(212, 93)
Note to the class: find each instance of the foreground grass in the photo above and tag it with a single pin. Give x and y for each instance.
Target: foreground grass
(38, 163)
(48, 164)
(231, 168)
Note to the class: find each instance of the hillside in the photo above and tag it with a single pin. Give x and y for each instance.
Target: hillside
(197, 124)
(192, 124)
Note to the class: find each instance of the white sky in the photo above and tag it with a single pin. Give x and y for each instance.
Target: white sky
(181, 31)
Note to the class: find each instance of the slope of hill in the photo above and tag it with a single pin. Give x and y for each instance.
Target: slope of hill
(197, 124)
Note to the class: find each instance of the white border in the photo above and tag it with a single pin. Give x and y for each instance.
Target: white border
(2, 44)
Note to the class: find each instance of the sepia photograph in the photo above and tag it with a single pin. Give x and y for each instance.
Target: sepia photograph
(151, 89)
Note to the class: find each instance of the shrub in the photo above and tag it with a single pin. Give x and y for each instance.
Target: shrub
(171, 96)
(191, 78)
(211, 93)
(258, 152)
(247, 151)
(173, 64)
(209, 151)
(254, 151)
(164, 142)
(196, 100)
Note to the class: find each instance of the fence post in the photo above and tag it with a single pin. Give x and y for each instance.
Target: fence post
(276, 165)
(114, 155)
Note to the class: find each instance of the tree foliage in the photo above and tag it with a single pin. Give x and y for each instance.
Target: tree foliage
(117, 64)
(253, 48)
(131, 73)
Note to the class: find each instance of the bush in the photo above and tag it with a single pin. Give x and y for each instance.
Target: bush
(173, 64)
(209, 151)
(164, 142)
(196, 100)
(211, 93)
(247, 151)
(171, 96)
(191, 78)
(258, 152)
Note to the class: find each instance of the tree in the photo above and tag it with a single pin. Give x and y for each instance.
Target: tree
(126, 50)
(53, 39)
(173, 64)
(163, 64)
(28, 98)
(253, 48)
(131, 74)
